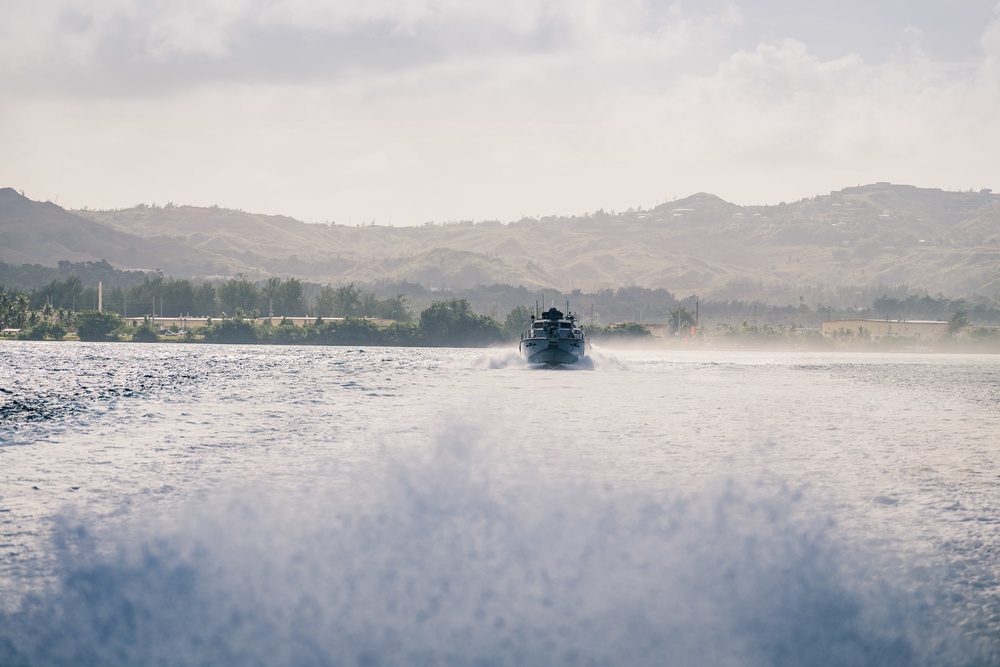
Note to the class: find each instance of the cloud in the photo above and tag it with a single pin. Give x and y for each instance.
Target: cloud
(990, 42)
(407, 111)
(779, 105)
(138, 46)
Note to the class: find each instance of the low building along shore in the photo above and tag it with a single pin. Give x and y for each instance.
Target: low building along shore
(191, 323)
(882, 329)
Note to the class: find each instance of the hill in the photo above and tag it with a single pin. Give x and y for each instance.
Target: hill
(882, 234)
(43, 233)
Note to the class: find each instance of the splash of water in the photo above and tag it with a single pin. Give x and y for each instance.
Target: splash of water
(497, 359)
(605, 359)
(439, 560)
(597, 359)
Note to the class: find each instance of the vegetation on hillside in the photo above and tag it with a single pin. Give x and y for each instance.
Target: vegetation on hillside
(836, 249)
(54, 302)
(453, 322)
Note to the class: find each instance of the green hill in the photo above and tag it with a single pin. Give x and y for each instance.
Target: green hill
(882, 234)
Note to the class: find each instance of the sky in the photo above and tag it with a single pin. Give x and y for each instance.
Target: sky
(402, 112)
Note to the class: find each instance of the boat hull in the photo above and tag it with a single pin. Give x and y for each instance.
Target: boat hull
(553, 352)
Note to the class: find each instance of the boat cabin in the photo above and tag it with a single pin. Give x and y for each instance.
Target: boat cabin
(563, 328)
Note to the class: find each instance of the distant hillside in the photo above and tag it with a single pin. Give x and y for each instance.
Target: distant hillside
(947, 242)
(43, 233)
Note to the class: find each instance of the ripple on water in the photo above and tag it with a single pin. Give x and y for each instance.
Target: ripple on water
(863, 439)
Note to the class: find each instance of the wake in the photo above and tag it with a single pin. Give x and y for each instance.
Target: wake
(438, 560)
(597, 359)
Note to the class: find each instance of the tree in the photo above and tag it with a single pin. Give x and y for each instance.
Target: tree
(347, 301)
(231, 331)
(291, 297)
(19, 315)
(145, 332)
(518, 321)
(958, 321)
(680, 318)
(274, 296)
(73, 292)
(94, 325)
(56, 331)
(177, 298)
(402, 333)
(369, 304)
(6, 305)
(203, 304)
(394, 308)
(350, 331)
(326, 302)
(42, 329)
(453, 323)
(59, 294)
(239, 293)
(618, 331)
(147, 296)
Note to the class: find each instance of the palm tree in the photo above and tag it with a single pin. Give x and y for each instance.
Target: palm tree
(273, 293)
(73, 290)
(64, 316)
(5, 308)
(20, 313)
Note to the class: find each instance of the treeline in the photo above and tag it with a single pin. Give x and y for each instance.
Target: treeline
(156, 296)
(46, 322)
(926, 307)
(445, 323)
(26, 277)
(449, 323)
(134, 294)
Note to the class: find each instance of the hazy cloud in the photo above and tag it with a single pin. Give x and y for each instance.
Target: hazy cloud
(405, 110)
(112, 43)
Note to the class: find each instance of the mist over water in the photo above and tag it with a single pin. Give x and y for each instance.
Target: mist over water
(436, 560)
(289, 506)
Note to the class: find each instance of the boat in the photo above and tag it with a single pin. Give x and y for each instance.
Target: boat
(554, 339)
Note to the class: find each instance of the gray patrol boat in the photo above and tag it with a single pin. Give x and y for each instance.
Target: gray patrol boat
(554, 339)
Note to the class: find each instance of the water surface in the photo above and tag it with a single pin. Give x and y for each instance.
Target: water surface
(195, 504)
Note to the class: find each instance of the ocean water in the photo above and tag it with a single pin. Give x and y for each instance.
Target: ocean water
(229, 505)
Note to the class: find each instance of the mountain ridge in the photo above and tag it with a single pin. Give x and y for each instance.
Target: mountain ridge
(944, 242)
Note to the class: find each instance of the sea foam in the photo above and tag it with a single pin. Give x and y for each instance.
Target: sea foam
(437, 559)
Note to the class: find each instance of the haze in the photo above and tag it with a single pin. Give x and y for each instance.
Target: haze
(402, 112)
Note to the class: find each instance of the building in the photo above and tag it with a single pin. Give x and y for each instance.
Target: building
(192, 323)
(880, 329)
